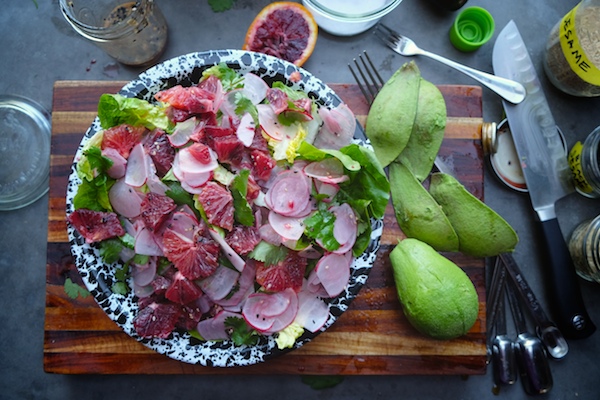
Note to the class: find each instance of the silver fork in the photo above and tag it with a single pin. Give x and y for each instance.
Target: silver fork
(508, 89)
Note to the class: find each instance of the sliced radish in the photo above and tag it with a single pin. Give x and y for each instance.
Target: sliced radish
(252, 312)
(255, 88)
(269, 124)
(246, 288)
(124, 199)
(290, 228)
(220, 283)
(313, 313)
(146, 244)
(235, 259)
(289, 315)
(117, 169)
(138, 166)
(290, 194)
(183, 132)
(338, 127)
(268, 234)
(329, 170)
(246, 130)
(191, 165)
(333, 271)
(214, 328)
(144, 274)
(156, 185)
(183, 223)
(344, 227)
(271, 313)
(327, 189)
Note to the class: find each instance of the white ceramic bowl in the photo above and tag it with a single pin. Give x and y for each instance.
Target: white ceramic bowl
(349, 17)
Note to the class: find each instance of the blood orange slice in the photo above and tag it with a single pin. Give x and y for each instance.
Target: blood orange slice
(283, 29)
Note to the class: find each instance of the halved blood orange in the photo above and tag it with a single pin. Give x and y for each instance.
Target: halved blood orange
(283, 29)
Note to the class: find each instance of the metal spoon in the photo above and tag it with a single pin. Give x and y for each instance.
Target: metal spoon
(534, 369)
(503, 348)
(551, 336)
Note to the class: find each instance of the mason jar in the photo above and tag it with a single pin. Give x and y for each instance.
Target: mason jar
(584, 246)
(133, 33)
(584, 160)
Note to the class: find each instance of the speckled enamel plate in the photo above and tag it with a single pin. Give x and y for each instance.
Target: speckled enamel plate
(99, 277)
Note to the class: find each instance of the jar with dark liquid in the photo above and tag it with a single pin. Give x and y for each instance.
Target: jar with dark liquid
(133, 33)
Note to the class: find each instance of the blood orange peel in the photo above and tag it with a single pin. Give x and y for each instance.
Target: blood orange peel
(283, 29)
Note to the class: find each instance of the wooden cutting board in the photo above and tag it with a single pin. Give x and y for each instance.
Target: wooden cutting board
(372, 338)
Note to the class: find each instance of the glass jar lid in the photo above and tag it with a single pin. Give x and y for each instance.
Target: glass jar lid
(24, 152)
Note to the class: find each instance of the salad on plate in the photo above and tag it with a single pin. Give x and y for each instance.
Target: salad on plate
(230, 210)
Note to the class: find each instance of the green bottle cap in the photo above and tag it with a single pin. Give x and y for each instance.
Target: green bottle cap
(473, 27)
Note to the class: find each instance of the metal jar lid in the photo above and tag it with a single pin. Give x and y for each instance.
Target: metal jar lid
(24, 152)
(498, 144)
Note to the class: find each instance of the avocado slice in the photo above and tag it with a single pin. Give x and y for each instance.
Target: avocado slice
(481, 231)
(418, 214)
(392, 114)
(427, 133)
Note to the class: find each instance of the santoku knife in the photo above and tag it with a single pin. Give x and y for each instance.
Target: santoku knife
(547, 175)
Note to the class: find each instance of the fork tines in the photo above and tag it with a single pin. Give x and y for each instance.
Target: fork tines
(386, 34)
(370, 82)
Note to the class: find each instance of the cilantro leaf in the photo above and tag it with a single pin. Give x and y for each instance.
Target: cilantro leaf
(244, 105)
(239, 189)
(110, 250)
(120, 288)
(319, 382)
(179, 195)
(241, 333)
(268, 253)
(220, 5)
(73, 290)
(319, 226)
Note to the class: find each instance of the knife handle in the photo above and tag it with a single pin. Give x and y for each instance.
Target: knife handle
(569, 309)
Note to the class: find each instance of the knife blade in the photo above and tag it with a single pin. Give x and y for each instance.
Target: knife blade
(547, 176)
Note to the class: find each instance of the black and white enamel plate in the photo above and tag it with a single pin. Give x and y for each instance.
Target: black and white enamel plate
(99, 276)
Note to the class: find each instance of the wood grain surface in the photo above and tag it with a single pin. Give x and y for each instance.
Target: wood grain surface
(372, 338)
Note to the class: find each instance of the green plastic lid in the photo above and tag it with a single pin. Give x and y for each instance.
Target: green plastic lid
(473, 27)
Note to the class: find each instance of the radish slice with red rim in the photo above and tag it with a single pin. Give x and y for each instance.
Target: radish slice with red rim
(290, 228)
(329, 170)
(246, 130)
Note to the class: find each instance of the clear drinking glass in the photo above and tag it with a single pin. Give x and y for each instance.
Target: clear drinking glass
(133, 33)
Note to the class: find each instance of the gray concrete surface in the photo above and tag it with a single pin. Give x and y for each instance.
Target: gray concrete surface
(37, 48)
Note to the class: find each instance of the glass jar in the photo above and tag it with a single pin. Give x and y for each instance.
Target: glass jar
(572, 57)
(584, 160)
(133, 33)
(584, 246)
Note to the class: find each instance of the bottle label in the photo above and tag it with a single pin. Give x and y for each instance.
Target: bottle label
(576, 57)
(575, 164)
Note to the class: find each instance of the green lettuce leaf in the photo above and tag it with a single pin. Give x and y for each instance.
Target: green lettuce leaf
(115, 109)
